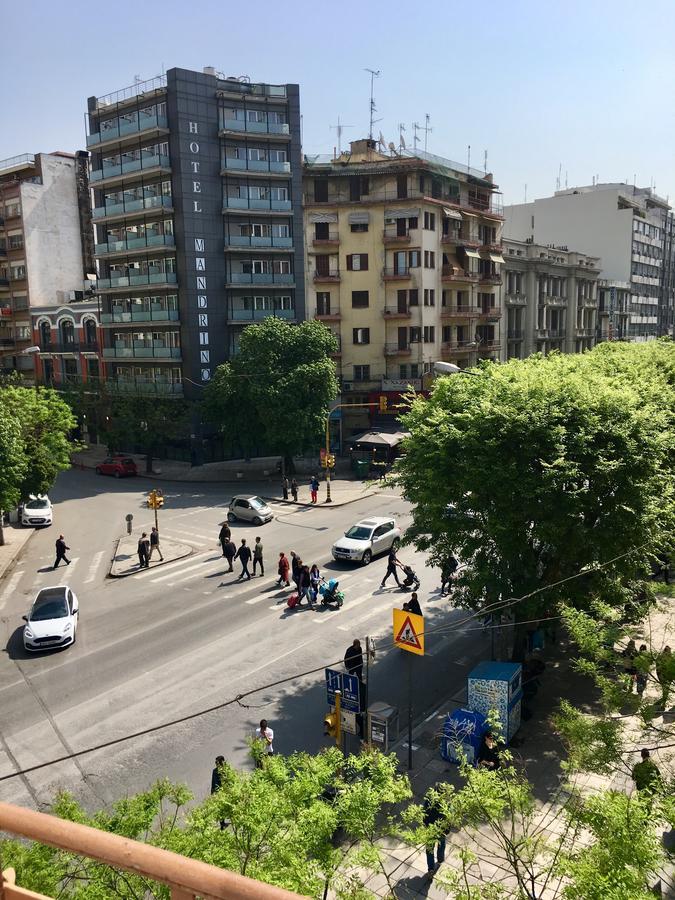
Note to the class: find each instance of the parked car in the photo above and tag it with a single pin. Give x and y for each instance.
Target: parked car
(117, 466)
(37, 511)
(249, 509)
(367, 539)
(52, 620)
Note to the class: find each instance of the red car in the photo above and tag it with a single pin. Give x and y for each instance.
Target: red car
(117, 466)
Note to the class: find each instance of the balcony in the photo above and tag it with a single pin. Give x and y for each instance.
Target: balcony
(141, 350)
(489, 278)
(332, 276)
(397, 350)
(389, 237)
(142, 315)
(453, 274)
(7, 341)
(243, 126)
(549, 333)
(327, 314)
(333, 240)
(516, 299)
(460, 312)
(457, 348)
(396, 312)
(400, 273)
(154, 387)
(230, 203)
(492, 248)
(140, 280)
(61, 347)
(489, 346)
(490, 312)
(584, 332)
(470, 242)
(552, 300)
(4, 281)
(267, 166)
(124, 128)
(135, 244)
(259, 315)
(157, 161)
(3, 252)
(237, 241)
(286, 278)
(132, 206)
(515, 334)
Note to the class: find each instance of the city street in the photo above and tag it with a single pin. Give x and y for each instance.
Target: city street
(168, 642)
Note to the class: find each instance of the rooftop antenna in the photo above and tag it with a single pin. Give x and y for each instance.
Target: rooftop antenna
(137, 79)
(525, 194)
(374, 73)
(401, 129)
(427, 129)
(416, 140)
(468, 156)
(485, 162)
(557, 181)
(565, 179)
(339, 128)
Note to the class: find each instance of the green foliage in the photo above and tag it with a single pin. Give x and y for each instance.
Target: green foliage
(276, 391)
(13, 462)
(593, 744)
(147, 423)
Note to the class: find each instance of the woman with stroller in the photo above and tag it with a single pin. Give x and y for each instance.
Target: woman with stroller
(314, 582)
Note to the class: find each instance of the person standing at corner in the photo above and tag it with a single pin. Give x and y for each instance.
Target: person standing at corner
(265, 736)
(294, 490)
(243, 554)
(314, 488)
(224, 536)
(284, 487)
(61, 551)
(354, 659)
(258, 557)
(154, 544)
(392, 563)
(143, 551)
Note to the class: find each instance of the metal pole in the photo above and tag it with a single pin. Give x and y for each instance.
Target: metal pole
(156, 522)
(338, 718)
(328, 496)
(410, 712)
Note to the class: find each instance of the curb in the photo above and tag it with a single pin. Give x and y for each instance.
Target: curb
(136, 571)
(12, 561)
(322, 504)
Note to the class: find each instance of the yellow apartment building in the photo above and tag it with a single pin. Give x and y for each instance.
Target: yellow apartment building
(404, 256)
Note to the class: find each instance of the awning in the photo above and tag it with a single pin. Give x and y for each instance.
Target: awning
(401, 213)
(452, 214)
(470, 215)
(379, 438)
(321, 218)
(497, 258)
(359, 218)
(473, 254)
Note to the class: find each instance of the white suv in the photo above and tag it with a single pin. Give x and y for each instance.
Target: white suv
(367, 539)
(37, 511)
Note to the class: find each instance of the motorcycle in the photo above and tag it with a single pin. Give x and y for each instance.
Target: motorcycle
(329, 593)
(411, 579)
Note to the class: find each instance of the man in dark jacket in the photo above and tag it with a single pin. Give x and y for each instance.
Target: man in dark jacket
(224, 536)
(488, 755)
(413, 605)
(143, 551)
(217, 781)
(229, 552)
(354, 659)
(392, 563)
(61, 551)
(435, 821)
(243, 554)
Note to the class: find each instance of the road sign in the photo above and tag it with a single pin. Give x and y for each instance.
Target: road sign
(348, 721)
(129, 517)
(348, 685)
(409, 631)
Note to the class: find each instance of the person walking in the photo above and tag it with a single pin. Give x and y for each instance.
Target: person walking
(434, 820)
(304, 585)
(296, 565)
(258, 557)
(448, 569)
(143, 551)
(629, 653)
(354, 659)
(224, 536)
(154, 544)
(646, 774)
(314, 582)
(665, 672)
(284, 487)
(264, 737)
(217, 775)
(243, 554)
(392, 564)
(61, 552)
(294, 490)
(642, 666)
(284, 568)
(314, 488)
(229, 552)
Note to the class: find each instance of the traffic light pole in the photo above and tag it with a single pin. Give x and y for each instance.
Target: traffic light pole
(382, 406)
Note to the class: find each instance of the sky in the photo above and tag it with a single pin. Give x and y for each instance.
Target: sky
(581, 88)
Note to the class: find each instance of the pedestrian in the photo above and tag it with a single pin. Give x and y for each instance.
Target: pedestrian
(413, 605)
(629, 653)
(61, 551)
(294, 489)
(229, 552)
(646, 774)
(354, 659)
(448, 568)
(314, 582)
(296, 565)
(304, 584)
(264, 738)
(314, 488)
(217, 782)
(154, 544)
(665, 672)
(642, 666)
(258, 557)
(143, 551)
(283, 570)
(392, 563)
(488, 755)
(243, 554)
(224, 535)
(436, 822)
(284, 487)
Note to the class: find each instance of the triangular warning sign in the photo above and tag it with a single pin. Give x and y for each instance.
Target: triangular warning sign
(407, 635)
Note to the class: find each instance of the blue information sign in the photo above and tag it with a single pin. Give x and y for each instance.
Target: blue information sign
(349, 686)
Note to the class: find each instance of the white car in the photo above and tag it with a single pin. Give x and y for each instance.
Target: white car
(249, 509)
(367, 539)
(52, 620)
(37, 511)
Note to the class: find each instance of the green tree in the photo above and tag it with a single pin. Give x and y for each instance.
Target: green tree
(147, 423)
(536, 469)
(13, 464)
(275, 393)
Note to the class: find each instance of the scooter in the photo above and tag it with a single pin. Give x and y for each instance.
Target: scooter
(411, 579)
(329, 593)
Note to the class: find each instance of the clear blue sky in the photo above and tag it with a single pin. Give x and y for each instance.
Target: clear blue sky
(589, 85)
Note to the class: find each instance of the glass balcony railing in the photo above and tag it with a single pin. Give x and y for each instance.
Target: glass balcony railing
(122, 317)
(125, 127)
(254, 127)
(256, 165)
(261, 278)
(161, 387)
(130, 165)
(257, 315)
(254, 203)
(150, 240)
(141, 351)
(131, 206)
(141, 278)
(238, 240)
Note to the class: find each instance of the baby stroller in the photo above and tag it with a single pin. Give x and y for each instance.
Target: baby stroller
(411, 579)
(330, 594)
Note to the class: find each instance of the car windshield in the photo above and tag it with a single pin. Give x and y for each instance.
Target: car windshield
(49, 608)
(257, 502)
(359, 532)
(40, 503)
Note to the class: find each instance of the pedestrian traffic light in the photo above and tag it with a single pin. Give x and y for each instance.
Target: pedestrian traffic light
(383, 403)
(331, 725)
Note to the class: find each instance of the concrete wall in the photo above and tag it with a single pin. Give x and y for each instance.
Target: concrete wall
(52, 231)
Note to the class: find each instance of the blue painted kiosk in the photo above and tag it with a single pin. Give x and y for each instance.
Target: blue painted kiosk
(498, 686)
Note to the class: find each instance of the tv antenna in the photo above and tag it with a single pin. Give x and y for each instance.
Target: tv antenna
(401, 129)
(374, 73)
(339, 128)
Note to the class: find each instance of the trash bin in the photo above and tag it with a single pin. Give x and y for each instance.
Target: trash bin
(382, 725)
(361, 467)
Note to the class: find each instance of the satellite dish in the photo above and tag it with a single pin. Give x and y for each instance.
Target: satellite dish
(392, 147)
(402, 142)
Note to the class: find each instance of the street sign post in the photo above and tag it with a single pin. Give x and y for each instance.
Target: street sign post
(348, 685)
(348, 721)
(409, 635)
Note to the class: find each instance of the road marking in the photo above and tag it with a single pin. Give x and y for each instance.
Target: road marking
(11, 585)
(69, 569)
(93, 566)
(381, 607)
(172, 565)
(161, 578)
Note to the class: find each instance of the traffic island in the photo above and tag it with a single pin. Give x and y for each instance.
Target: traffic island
(125, 561)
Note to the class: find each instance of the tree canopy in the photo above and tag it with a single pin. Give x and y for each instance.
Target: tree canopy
(536, 469)
(275, 393)
(146, 423)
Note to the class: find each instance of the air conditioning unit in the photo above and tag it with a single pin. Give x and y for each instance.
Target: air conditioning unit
(347, 386)
(71, 296)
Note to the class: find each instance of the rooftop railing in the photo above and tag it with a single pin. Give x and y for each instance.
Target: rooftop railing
(134, 90)
(25, 159)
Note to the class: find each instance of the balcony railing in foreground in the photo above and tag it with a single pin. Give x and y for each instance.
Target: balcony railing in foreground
(186, 878)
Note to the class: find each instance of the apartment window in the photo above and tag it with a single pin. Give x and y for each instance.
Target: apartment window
(401, 186)
(321, 190)
(446, 334)
(279, 193)
(413, 223)
(429, 259)
(421, 184)
(18, 272)
(429, 297)
(413, 297)
(359, 299)
(429, 334)
(359, 186)
(430, 221)
(321, 231)
(403, 371)
(357, 262)
(361, 373)
(255, 115)
(414, 259)
(15, 241)
(415, 334)
(360, 335)
(278, 155)
(323, 303)
(359, 226)
(414, 370)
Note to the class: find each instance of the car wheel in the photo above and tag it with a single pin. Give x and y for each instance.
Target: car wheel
(257, 521)
(396, 543)
(366, 558)
(98, 470)
(231, 517)
(118, 474)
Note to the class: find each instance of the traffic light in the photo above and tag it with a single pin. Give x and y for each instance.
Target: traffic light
(330, 461)
(383, 403)
(331, 726)
(155, 500)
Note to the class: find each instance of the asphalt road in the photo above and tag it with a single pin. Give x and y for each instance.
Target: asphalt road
(169, 642)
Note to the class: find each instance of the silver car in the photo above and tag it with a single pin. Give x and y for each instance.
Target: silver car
(249, 509)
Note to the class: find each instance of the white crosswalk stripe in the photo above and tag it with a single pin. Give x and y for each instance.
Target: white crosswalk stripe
(15, 578)
(93, 566)
(373, 611)
(173, 577)
(66, 575)
(165, 567)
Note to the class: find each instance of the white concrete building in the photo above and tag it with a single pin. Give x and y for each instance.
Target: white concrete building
(621, 224)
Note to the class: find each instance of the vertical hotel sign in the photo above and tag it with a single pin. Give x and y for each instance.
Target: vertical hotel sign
(197, 258)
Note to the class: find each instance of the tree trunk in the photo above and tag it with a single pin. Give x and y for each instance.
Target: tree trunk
(288, 465)
(148, 462)
(2, 528)
(519, 642)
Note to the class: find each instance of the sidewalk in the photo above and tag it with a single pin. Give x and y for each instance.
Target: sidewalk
(16, 539)
(125, 561)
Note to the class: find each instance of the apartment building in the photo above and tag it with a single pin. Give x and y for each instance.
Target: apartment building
(45, 244)
(613, 310)
(196, 203)
(625, 226)
(403, 264)
(69, 339)
(551, 299)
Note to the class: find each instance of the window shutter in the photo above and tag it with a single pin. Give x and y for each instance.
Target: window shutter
(364, 262)
(350, 267)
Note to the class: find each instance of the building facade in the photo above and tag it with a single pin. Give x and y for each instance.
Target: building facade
(69, 339)
(45, 244)
(625, 226)
(404, 265)
(551, 299)
(613, 310)
(196, 203)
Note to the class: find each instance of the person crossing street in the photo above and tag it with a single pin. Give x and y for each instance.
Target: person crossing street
(243, 554)
(258, 557)
(61, 551)
(392, 564)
